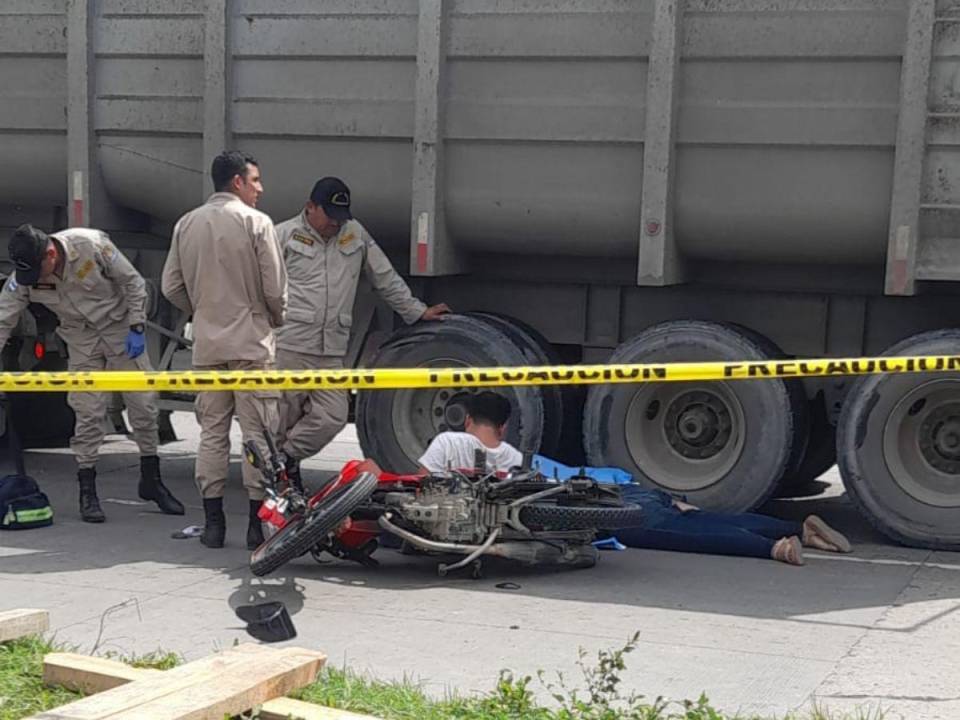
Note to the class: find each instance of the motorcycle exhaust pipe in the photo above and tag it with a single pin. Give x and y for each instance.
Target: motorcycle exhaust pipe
(424, 544)
(529, 552)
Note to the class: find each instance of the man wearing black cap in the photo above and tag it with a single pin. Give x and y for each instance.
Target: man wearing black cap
(325, 249)
(100, 300)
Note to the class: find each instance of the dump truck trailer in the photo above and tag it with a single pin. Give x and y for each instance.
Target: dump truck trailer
(584, 181)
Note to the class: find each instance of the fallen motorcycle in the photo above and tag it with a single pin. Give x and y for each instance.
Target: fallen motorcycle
(520, 515)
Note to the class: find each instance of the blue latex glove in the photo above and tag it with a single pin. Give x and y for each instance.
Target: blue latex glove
(610, 543)
(135, 344)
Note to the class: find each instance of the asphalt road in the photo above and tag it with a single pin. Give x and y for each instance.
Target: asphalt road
(877, 627)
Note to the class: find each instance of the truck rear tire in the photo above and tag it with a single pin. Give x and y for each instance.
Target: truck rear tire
(802, 418)
(819, 456)
(43, 420)
(395, 426)
(723, 445)
(898, 448)
(537, 351)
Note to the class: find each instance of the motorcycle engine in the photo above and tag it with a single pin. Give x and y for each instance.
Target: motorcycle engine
(445, 508)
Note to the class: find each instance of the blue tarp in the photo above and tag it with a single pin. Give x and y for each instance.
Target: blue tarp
(559, 471)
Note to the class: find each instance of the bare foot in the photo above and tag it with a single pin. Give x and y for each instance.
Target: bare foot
(817, 534)
(788, 550)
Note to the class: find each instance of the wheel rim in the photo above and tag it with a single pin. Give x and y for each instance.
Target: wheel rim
(419, 415)
(685, 437)
(921, 443)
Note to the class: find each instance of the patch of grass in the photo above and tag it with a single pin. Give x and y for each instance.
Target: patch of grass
(22, 691)
(598, 695)
(866, 713)
(157, 660)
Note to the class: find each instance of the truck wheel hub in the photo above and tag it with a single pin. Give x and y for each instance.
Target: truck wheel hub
(940, 438)
(697, 425)
(921, 443)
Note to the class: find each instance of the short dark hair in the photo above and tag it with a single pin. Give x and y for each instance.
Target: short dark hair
(488, 408)
(228, 165)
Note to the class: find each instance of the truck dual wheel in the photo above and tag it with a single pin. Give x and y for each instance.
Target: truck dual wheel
(395, 426)
(819, 456)
(724, 445)
(795, 478)
(898, 448)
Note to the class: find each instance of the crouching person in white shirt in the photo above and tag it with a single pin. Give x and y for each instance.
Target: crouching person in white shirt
(485, 428)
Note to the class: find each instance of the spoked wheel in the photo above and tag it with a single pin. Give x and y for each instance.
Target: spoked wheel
(724, 445)
(899, 448)
(303, 532)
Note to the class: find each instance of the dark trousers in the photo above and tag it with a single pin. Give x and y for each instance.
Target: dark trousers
(700, 531)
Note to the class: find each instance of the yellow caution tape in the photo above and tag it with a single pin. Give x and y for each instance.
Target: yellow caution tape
(398, 378)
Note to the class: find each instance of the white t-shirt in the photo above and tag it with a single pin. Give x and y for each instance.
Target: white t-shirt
(456, 450)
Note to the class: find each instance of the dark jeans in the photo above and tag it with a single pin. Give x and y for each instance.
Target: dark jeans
(701, 531)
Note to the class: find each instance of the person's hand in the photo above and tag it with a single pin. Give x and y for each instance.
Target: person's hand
(135, 344)
(435, 312)
(684, 507)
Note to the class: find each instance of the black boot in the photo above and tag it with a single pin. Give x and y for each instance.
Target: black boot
(254, 528)
(152, 487)
(214, 524)
(293, 473)
(90, 510)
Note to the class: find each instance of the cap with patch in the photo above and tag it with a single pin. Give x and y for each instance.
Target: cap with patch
(333, 195)
(26, 249)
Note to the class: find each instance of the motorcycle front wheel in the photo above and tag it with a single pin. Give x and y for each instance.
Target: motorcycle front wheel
(304, 531)
(549, 516)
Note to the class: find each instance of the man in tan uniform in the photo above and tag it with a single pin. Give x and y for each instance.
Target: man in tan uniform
(100, 300)
(325, 250)
(225, 269)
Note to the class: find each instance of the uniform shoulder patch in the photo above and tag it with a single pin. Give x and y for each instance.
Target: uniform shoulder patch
(302, 238)
(85, 269)
(12, 284)
(109, 252)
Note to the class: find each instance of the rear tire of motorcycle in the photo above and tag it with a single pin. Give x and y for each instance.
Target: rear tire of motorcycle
(547, 516)
(297, 537)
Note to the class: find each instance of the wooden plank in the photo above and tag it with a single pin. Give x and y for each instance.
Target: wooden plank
(88, 674)
(285, 708)
(139, 691)
(224, 684)
(21, 623)
(92, 675)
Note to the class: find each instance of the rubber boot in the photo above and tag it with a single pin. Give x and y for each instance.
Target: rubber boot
(214, 524)
(293, 473)
(152, 487)
(254, 528)
(90, 510)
